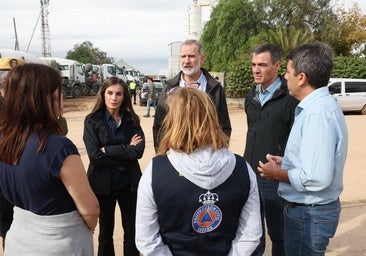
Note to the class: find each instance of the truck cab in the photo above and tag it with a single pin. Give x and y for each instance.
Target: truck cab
(109, 70)
(72, 73)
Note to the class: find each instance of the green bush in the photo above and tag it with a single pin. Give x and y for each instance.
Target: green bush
(239, 80)
(349, 67)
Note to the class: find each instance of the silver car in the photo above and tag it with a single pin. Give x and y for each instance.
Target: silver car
(144, 91)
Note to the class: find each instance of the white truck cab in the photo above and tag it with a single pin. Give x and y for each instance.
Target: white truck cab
(109, 70)
(73, 74)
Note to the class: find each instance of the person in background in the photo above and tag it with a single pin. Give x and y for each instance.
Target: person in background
(132, 88)
(196, 197)
(55, 210)
(14, 63)
(311, 170)
(114, 141)
(270, 114)
(151, 97)
(95, 79)
(192, 75)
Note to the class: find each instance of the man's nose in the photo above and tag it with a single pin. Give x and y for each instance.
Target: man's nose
(186, 59)
(256, 69)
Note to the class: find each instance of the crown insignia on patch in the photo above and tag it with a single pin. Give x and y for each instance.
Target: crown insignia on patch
(208, 198)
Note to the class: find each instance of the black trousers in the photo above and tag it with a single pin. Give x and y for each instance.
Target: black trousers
(133, 95)
(126, 199)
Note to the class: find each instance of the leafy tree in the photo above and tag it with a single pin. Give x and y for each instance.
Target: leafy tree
(288, 39)
(311, 15)
(236, 27)
(351, 28)
(232, 22)
(87, 53)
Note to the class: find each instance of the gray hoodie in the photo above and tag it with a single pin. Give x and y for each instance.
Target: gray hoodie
(205, 168)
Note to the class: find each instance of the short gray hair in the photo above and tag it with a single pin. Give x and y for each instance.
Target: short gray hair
(195, 42)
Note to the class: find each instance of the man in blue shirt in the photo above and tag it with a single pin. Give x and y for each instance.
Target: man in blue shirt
(311, 170)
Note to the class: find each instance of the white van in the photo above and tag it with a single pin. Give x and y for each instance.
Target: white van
(350, 93)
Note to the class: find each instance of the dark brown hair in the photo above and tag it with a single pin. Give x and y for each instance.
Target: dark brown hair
(31, 103)
(126, 104)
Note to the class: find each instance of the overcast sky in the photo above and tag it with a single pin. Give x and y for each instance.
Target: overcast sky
(137, 31)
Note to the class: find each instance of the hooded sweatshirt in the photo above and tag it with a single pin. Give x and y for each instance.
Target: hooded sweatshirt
(207, 169)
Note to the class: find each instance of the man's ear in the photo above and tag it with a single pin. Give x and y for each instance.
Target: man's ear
(302, 78)
(278, 65)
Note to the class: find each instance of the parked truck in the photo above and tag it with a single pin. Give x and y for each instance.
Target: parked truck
(73, 76)
(132, 75)
(92, 77)
(109, 70)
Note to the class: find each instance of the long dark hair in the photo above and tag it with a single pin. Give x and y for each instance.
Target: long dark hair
(126, 106)
(31, 103)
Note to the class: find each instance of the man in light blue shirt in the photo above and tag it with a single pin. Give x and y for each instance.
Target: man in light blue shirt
(311, 171)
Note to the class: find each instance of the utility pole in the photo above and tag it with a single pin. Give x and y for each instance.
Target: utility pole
(45, 30)
(16, 47)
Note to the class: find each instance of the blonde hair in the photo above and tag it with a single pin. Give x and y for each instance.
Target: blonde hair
(191, 123)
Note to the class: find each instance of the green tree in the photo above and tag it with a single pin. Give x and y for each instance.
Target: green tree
(232, 22)
(289, 38)
(351, 28)
(311, 15)
(87, 53)
(235, 25)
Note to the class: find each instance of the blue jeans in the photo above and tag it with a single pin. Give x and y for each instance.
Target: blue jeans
(148, 104)
(272, 211)
(309, 228)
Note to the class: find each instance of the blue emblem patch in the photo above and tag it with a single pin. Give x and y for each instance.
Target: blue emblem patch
(206, 218)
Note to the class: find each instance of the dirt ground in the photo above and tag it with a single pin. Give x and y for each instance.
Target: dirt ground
(351, 233)
(349, 239)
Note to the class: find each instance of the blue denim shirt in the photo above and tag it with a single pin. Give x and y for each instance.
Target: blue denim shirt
(316, 151)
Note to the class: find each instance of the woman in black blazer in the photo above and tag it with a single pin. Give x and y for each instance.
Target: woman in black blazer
(114, 142)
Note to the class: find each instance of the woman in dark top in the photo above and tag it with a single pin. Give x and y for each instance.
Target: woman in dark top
(41, 172)
(114, 142)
